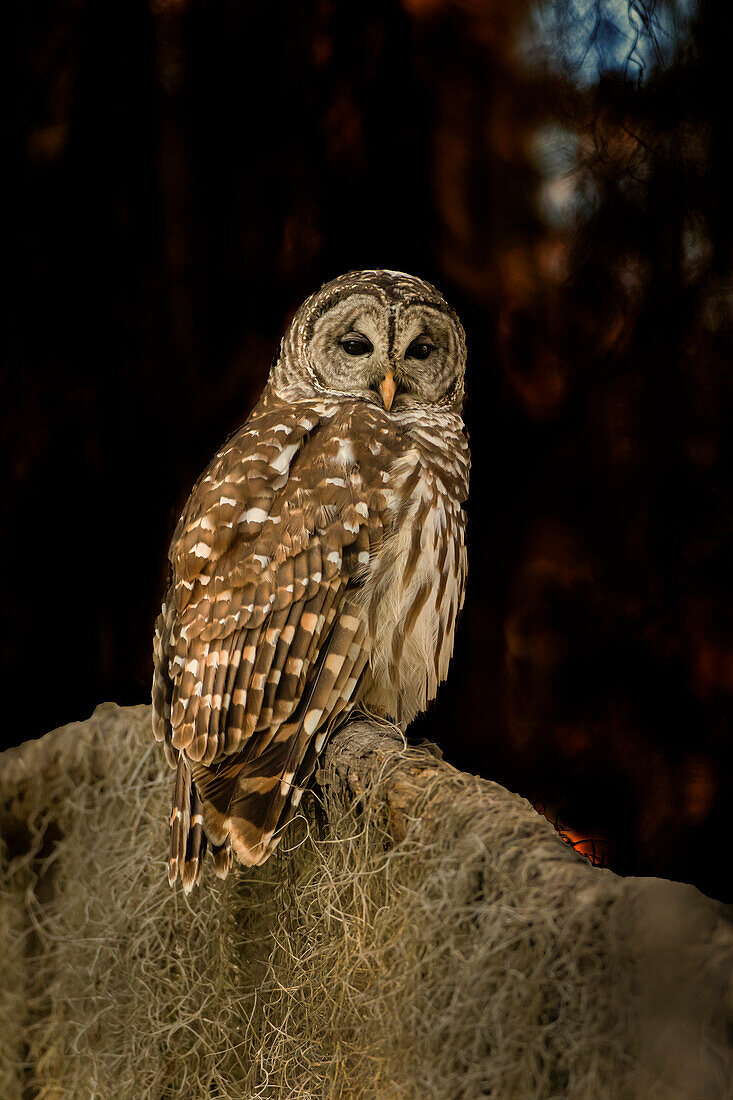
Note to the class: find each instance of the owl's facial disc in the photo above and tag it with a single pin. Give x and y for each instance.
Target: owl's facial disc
(396, 355)
(428, 355)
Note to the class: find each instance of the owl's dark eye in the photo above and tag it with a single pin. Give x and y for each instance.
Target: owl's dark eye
(356, 345)
(418, 349)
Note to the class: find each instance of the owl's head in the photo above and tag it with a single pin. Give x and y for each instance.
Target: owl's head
(379, 336)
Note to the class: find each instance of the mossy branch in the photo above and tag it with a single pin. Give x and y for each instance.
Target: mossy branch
(421, 932)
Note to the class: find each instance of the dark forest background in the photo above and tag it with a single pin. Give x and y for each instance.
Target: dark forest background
(185, 172)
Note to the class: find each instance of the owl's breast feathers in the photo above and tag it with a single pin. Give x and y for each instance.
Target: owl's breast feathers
(319, 560)
(417, 583)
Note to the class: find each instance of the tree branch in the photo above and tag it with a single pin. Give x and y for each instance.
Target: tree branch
(423, 864)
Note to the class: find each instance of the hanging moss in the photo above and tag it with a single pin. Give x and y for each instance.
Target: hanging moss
(476, 955)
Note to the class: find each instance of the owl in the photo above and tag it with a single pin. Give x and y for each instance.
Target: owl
(319, 564)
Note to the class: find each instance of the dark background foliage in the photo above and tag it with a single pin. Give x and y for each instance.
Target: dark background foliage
(186, 171)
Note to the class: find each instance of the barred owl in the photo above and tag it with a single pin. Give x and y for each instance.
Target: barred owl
(319, 563)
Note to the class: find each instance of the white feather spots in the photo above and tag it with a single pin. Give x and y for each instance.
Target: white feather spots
(254, 515)
(352, 528)
(312, 719)
(345, 453)
(286, 783)
(423, 491)
(334, 557)
(361, 508)
(321, 740)
(282, 428)
(363, 557)
(201, 550)
(296, 796)
(317, 577)
(282, 462)
(263, 561)
(228, 500)
(338, 481)
(376, 448)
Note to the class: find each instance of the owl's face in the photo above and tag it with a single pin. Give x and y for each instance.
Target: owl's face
(379, 336)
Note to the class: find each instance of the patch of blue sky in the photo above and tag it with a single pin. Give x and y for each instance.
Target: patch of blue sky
(587, 39)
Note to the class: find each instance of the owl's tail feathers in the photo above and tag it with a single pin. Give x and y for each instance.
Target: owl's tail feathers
(180, 820)
(222, 856)
(249, 802)
(188, 839)
(264, 802)
(245, 802)
(236, 794)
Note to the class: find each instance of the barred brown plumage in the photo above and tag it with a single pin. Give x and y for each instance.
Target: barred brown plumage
(319, 563)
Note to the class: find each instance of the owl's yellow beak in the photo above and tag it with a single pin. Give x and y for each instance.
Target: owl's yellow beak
(387, 389)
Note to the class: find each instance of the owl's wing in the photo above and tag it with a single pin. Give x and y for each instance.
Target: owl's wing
(258, 646)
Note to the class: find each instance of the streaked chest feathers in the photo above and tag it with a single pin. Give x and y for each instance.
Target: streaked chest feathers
(414, 586)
